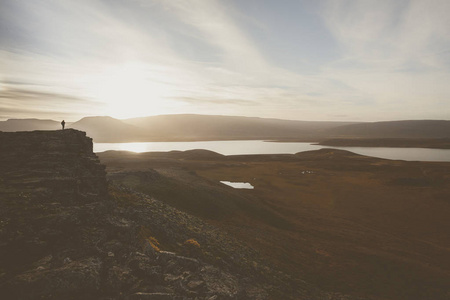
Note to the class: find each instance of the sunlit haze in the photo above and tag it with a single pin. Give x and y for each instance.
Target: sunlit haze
(300, 60)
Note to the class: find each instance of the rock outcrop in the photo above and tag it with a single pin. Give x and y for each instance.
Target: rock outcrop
(66, 234)
(52, 201)
(57, 162)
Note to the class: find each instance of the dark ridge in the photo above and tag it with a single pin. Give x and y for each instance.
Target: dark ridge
(327, 152)
(435, 143)
(196, 154)
(394, 129)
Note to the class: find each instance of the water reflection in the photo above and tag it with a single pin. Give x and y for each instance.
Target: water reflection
(239, 185)
(222, 147)
(262, 147)
(133, 147)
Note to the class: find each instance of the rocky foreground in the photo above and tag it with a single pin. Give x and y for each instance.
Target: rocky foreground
(66, 234)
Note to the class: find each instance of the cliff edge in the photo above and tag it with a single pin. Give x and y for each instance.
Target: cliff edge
(60, 163)
(52, 196)
(66, 234)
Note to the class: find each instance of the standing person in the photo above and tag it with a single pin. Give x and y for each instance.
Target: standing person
(63, 124)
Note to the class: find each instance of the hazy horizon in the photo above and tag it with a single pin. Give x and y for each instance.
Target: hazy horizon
(212, 115)
(179, 114)
(291, 60)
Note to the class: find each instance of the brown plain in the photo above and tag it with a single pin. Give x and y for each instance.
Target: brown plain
(346, 223)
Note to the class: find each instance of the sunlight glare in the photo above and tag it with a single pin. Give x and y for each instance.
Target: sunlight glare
(134, 147)
(129, 91)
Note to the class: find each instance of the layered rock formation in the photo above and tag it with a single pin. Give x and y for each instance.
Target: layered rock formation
(52, 192)
(58, 162)
(65, 235)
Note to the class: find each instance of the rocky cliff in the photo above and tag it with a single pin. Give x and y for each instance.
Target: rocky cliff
(60, 163)
(52, 198)
(64, 234)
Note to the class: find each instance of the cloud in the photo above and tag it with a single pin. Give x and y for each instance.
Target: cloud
(394, 52)
(77, 47)
(20, 94)
(213, 24)
(198, 56)
(385, 34)
(237, 102)
(22, 100)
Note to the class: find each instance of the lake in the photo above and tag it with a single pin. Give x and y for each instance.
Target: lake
(238, 185)
(263, 147)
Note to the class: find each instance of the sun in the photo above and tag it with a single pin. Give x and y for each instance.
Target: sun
(131, 91)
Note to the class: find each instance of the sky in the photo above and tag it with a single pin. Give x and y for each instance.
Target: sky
(327, 60)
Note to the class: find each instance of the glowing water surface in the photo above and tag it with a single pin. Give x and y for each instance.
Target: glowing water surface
(263, 147)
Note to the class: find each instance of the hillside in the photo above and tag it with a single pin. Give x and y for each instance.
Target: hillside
(394, 129)
(433, 143)
(107, 129)
(207, 127)
(184, 128)
(368, 227)
(66, 234)
(28, 124)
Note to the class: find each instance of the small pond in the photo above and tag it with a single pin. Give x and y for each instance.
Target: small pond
(239, 185)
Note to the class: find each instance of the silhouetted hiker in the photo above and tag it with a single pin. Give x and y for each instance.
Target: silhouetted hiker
(63, 123)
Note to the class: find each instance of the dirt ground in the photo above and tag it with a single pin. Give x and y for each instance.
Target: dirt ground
(343, 222)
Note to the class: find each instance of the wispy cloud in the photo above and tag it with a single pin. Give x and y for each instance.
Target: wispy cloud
(237, 102)
(387, 34)
(26, 100)
(141, 57)
(394, 53)
(32, 95)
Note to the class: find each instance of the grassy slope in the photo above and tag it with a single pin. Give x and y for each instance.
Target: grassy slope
(353, 224)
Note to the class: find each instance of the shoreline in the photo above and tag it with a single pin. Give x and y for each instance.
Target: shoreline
(442, 143)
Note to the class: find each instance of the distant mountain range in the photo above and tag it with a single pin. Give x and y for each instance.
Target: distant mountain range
(208, 127)
(395, 129)
(28, 125)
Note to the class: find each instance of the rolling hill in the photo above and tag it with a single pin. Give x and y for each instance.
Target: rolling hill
(394, 129)
(107, 129)
(364, 226)
(209, 127)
